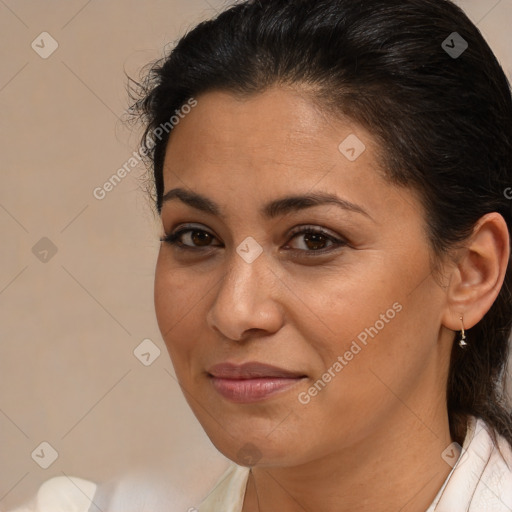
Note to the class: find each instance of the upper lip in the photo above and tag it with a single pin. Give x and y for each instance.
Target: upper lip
(250, 370)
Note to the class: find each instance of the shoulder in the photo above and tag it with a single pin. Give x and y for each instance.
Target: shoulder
(228, 494)
(62, 494)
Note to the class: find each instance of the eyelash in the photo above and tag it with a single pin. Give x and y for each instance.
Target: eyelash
(174, 240)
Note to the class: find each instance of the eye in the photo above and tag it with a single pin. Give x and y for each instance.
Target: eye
(194, 237)
(315, 240)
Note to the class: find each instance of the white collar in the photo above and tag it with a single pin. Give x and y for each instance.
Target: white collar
(481, 480)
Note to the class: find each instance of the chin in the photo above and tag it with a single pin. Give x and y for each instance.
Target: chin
(254, 449)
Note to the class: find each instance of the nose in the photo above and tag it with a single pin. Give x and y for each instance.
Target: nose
(247, 300)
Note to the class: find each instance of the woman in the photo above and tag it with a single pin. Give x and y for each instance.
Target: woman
(333, 283)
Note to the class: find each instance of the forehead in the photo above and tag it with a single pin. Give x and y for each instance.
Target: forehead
(246, 154)
(279, 128)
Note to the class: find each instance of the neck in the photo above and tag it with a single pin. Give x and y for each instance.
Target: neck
(398, 467)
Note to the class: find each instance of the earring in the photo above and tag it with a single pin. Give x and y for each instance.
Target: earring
(462, 341)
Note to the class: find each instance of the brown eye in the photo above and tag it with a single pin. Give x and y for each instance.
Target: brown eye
(200, 238)
(311, 240)
(190, 238)
(314, 240)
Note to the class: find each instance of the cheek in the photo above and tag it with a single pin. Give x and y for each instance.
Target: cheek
(357, 304)
(384, 354)
(370, 321)
(178, 307)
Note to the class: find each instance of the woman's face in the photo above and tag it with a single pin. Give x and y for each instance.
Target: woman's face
(296, 327)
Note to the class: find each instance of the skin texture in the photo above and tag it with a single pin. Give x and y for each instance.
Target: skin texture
(372, 438)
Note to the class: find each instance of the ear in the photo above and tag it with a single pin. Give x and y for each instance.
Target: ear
(477, 277)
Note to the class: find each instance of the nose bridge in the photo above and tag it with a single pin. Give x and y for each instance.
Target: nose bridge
(244, 297)
(243, 278)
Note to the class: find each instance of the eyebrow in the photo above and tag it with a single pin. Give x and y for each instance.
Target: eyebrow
(272, 209)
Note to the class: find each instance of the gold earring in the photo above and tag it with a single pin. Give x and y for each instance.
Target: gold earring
(462, 341)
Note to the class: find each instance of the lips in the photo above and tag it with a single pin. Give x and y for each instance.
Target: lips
(251, 370)
(252, 381)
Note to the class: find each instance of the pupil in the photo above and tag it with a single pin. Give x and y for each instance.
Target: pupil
(200, 236)
(315, 239)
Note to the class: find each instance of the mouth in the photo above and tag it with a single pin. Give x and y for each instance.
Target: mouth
(252, 381)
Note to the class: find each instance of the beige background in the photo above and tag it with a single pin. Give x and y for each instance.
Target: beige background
(69, 325)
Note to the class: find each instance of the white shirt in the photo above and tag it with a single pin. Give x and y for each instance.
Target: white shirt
(480, 481)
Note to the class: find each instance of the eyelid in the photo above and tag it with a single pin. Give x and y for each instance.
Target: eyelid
(337, 241)
(315, 229)
(176, 233)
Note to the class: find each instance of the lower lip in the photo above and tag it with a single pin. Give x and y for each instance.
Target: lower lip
(252, 390)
